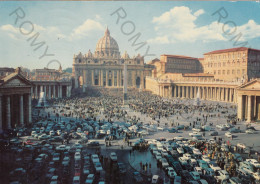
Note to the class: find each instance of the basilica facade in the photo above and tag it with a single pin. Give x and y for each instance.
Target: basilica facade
(104, 67)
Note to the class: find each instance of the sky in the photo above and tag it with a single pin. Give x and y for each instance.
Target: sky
(62, 29)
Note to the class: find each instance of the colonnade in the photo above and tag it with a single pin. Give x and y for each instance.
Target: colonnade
(249, 107)
(15, 110)
(224, 94)
(51, 91)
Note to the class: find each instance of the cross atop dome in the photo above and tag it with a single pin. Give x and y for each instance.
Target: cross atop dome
(107, 33)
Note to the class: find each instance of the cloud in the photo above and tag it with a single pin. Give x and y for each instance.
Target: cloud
(16, 33)
(199, 12)
(86, 29)
(180, 25)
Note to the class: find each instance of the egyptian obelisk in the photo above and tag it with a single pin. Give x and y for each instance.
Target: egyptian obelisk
(125, 84)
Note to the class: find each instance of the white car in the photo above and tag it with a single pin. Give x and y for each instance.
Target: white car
(223, 175)
(165, 164)
(250, 131)
(197, 152)
(241, 145)
(98, 167)
(113, 156)
(164, 153)
(256, 175)
(205, 158)
(158, 156)
(182, 160)
(228, 134)
(94, 158)
(193, 134)
(253, 162)
(155, 179)
(180, 150)
(187, 156)
(171, 172)
(198, 170)
(214, 166)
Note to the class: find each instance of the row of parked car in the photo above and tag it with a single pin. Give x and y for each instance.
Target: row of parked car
(184, 163)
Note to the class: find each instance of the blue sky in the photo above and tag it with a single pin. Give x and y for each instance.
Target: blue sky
(181, 28)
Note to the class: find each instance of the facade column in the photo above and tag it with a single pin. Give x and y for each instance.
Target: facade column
(21, 111)
(54, 91)
(1, 118)
(187, 91)
(191, 94)
(8, 112)
(113, 78)
(36, 92)
(117, 78)
(179, 91)
(101, 80)
(249, 109)
(106, 78)
(230, 94)
(60, 91)
(240, 107)
(92, 77)
(176, 91)
(182, 92)
(142, 80)
(49, 92)
(76, 81)
(30, 107)
(44, 90)
(170, 91)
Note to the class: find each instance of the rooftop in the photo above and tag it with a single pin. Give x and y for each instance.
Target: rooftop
(230, 50)
(179, 56)
(197, 75)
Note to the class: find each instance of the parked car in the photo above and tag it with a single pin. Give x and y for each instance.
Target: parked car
(113, 156)
(137, 177)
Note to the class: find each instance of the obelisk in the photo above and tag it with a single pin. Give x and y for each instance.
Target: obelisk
(125, 84)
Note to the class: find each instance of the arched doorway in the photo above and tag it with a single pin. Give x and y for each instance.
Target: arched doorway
(138, 82)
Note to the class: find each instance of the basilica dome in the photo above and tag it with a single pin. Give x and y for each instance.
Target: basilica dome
(107, 46)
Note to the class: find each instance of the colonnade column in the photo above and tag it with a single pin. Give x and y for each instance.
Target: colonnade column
(92, 77)
(49, 92)
(117, 73)
(170, 91)
(21, 111)
(101, 81)
(30, 107)
(8, 112)
(36, 92)
(106, 78)
(175, 91)
(1, 119)
(249, 109)
(54, 91)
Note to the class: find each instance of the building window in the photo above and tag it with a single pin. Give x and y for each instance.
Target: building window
(223, 72)
(243, 71)
(233, 72)
(238, 71)
(228, 72)
(219, 72)
(215, 72)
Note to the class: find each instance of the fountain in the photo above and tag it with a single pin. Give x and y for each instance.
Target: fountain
(42, 100)
(197, 99)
